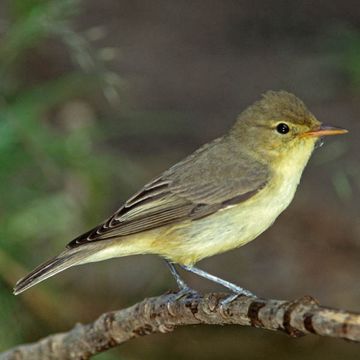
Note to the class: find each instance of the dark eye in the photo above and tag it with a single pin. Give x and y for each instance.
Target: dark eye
(282, 128)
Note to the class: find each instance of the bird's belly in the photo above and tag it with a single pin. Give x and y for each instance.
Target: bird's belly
(229, 228)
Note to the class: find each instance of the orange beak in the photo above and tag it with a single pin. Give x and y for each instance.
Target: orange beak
(325, 131)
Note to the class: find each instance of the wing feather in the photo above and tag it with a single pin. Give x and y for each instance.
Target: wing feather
(208, 180)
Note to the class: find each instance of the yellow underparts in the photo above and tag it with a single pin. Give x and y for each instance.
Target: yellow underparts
(190, 241)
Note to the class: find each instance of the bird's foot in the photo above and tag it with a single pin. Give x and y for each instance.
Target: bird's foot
(235, 289)
(186, 292)
(239, 292)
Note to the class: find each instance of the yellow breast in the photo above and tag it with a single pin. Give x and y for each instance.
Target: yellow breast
(190, 241)
(236, 225)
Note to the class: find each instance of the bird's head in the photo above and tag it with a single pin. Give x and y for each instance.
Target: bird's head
(280, 126)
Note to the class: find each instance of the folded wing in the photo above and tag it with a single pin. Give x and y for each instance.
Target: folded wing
(210, 179)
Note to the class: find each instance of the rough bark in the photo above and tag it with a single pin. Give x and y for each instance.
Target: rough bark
(164, 313)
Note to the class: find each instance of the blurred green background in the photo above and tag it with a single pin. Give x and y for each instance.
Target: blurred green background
(96, 98)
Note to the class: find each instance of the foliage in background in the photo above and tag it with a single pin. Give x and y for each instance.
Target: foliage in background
(48, 167)
(346, 43)
(54, 176)
(350, 41)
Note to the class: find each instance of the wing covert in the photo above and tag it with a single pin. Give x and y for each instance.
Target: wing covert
(208, 180)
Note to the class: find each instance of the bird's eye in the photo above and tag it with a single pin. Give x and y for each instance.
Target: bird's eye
(282, 128)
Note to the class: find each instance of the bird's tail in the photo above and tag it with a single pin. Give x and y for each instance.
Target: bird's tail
(66, 259)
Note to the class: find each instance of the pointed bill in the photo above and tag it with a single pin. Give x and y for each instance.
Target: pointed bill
(324, 130)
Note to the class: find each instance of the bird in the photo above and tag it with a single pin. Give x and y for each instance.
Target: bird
(220, 197)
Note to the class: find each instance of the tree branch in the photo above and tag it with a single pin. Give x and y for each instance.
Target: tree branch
(164, 313)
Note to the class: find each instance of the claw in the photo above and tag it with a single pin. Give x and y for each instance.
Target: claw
(229, 299)
(186, 292)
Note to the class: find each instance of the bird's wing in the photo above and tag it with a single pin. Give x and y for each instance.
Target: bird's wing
(196, 187)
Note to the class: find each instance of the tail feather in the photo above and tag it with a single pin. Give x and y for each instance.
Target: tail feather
(51, 267)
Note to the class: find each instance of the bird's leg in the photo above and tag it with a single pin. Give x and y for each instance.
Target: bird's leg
(180, 282)
(237, 290)
(184, 289)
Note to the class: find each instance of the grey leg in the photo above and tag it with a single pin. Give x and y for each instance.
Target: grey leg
(237, 290)
(180, 282)
(184, 289)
